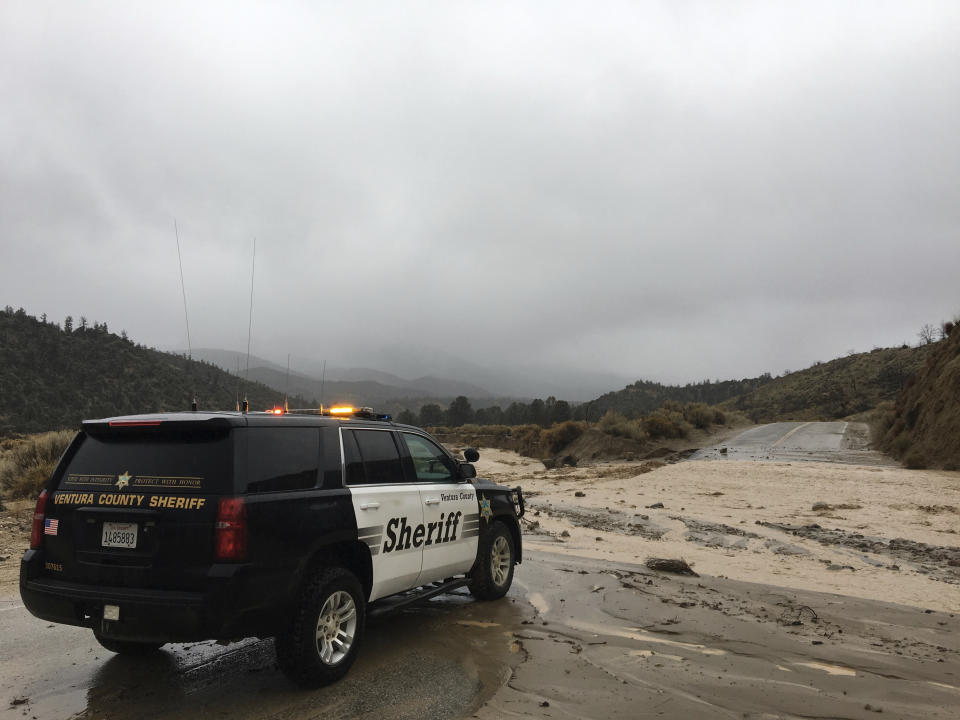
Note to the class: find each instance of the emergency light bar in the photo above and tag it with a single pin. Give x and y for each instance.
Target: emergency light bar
(341, 411)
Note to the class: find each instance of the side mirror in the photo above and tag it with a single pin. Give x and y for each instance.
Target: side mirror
(471, 455)
(467, 471)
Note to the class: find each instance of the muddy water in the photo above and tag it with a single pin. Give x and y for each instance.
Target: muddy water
(442, 659)
(613, 640)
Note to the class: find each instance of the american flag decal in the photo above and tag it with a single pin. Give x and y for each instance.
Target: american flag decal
(51, 526)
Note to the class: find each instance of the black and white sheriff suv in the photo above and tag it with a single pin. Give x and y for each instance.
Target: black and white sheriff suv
(222, 525)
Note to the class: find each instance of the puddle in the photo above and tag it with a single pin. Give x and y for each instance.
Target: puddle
(642, 636)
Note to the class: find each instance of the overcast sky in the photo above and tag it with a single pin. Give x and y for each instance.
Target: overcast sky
(672, 191)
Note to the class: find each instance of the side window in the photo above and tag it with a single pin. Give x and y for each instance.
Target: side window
(352, 462)
(381, 459)
(430, 462)
(282, 459)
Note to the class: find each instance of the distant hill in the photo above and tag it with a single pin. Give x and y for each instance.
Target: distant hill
(923, 427)
(835, 389)
(52, 379)
(382, 385)
(644, 396)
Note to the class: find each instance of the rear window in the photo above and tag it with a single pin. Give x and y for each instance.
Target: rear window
(155, 461)
(282, 458)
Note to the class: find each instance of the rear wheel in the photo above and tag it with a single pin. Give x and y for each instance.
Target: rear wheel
(322, 642)
(492, 573)
(127, 647)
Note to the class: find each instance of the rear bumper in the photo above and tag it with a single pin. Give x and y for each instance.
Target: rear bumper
(146, 614)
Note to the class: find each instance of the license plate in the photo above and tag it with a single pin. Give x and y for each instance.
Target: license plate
(122, 535)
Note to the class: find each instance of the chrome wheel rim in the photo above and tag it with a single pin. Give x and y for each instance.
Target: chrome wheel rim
(500, 560)
(336, 627)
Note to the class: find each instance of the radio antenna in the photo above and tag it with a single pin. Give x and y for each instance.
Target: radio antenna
(286, 388)
(239, 379)
(323, 379)
(183, 289)
(253, 270)
(186, 317)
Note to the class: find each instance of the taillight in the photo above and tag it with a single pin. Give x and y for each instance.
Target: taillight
(36, 530)
(230, 539)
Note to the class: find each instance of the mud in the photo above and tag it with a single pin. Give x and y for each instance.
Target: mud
(938, 561)
(609, 520)
(717, 535)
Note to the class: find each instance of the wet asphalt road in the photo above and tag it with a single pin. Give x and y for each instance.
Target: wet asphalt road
(838, 442)
(439, 660)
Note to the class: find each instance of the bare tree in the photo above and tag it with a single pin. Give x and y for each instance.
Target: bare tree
(927, 334)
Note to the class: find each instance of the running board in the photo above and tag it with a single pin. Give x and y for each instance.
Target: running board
(386, 606)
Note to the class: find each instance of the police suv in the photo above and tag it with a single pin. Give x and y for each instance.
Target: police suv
(191, 526)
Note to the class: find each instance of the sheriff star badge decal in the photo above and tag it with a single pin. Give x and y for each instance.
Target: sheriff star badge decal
(485, 510)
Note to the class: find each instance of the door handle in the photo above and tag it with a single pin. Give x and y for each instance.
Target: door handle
(432, 501)
(369, 505)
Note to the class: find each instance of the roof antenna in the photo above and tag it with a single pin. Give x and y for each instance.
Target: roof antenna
(286, 389)
(323, 379)
(238, 382)
(186, 317)
(253, 270)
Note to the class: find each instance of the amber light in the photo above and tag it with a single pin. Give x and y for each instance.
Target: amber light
(341, 410)
(277, 411)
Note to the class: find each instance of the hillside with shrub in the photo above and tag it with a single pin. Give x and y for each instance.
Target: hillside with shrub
(836, 389)
(54, 377)
(614, 436)
(645, 396)
(922, 427)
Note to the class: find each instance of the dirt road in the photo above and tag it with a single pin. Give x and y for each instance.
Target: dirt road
(833, 442)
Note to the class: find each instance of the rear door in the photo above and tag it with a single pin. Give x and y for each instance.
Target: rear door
(449, 510)
(135, 507)
(387, 507)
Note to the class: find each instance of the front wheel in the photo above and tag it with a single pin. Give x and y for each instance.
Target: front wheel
(321, 643)
(492, 573)
(127, 647)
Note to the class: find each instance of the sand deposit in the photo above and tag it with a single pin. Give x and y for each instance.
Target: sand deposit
(881, 533)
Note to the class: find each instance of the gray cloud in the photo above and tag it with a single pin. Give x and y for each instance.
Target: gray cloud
(670, 191)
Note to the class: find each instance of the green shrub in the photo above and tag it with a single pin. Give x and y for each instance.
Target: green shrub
(915, 460)
(618, 425)
(27, 464)
(698, 415)
(561, 435)
(666, 424)
(529, 440)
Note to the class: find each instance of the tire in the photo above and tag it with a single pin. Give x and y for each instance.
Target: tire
(492, 573)
(127, 647)
(322, 641)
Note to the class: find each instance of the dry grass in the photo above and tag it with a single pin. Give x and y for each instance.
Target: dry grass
(26, 463)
